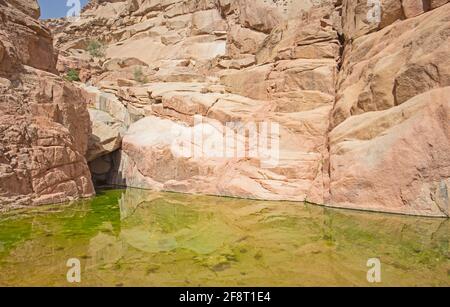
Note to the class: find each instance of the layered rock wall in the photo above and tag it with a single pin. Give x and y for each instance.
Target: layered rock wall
(389, 139)
(358, 89)
(44, 123)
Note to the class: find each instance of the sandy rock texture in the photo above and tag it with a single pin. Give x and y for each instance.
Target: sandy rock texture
(220, 60)
(44, 123)
(363, 17)
(358, 91)
(389, 125)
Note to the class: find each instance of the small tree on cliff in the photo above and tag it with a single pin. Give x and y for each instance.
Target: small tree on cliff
(96, 49)
(139, 75)
(72, 75)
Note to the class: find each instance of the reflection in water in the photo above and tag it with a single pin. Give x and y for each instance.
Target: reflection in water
(136, 237)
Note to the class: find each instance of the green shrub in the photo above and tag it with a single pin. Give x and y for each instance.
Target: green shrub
(96, 49)
(72, 75)
(139, 75)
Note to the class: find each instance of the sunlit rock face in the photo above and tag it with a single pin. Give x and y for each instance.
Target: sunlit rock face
(363, 17)
(350, 86)
(44, 124)
(390, 136)
(395, 160)
(220, 60)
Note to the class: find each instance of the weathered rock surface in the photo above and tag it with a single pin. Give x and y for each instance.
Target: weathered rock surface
(390, 142)
(387, 68)
(44, 124)
(203, 64)
(396, 160)
(363, 17)
(359, 96)
(106, 134)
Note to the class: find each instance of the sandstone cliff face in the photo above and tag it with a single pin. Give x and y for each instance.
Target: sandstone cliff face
(44, 124)
(221, 60)
(390, 139)
(362, 105)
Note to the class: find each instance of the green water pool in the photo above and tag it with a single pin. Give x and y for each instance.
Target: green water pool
(142, 238)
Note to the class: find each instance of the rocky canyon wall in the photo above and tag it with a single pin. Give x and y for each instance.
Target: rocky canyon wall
(362, 105)
(239, 62)
(389, 131)
(44, 123)
(359, 98)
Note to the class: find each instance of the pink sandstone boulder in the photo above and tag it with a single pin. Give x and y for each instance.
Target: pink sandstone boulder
(396, 160)
(44, 124)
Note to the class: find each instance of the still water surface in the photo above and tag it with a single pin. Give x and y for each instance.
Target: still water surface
(141, 238)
